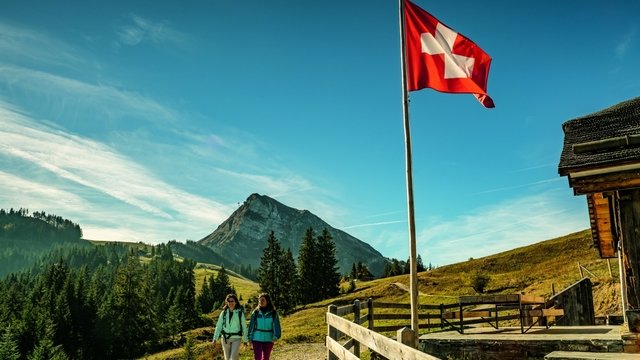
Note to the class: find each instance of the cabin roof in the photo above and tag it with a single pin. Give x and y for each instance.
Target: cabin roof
(606, 138)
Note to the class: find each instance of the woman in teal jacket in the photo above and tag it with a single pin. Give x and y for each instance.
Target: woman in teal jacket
(232, 326)
(264, 328)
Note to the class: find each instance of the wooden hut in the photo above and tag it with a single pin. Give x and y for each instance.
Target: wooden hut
(601, 159)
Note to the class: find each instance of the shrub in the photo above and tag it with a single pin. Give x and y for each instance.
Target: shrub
(479, 282)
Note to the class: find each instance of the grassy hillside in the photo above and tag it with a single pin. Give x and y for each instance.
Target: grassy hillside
(533, 269)
(245, 288)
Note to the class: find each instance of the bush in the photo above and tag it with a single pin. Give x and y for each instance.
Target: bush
(479, 282)
(189, 348)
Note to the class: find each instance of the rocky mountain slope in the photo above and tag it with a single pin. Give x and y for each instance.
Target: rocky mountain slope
(242, 237)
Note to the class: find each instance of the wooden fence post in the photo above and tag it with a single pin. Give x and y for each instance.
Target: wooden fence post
(370, 313)
(407, 337)
(580, 268)
(370, 325)
(461, 320)
(332, 332)
(356, 319)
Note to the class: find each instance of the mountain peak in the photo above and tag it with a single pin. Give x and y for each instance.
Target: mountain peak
(243, 236)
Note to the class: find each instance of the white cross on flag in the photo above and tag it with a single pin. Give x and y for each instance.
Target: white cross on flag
(442, 59)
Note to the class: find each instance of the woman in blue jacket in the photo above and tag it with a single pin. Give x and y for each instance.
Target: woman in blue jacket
(232, 325)
(264, 328)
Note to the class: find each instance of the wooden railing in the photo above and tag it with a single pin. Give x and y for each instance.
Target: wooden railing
(339, 328)
(468, 310)
(425, 312)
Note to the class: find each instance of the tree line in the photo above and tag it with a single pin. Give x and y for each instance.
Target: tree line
(399, 267)
(112, 306)
(313, 278)
(17, 224)
(24, 238)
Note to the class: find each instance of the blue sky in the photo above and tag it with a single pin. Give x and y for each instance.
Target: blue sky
(152, 121)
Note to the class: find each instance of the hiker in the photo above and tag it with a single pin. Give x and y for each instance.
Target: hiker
(231, 327)
(264, 328)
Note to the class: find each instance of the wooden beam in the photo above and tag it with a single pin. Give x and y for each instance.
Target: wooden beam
(605, 182)
(601, 224)
(466, 314)
(543, 312)
(489, 299)
(336, 349)
(404, 316)
(531, 299)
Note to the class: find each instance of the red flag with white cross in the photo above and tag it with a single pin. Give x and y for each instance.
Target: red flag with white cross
(439, 58)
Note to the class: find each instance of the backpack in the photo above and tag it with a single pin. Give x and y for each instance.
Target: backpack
(225, 334)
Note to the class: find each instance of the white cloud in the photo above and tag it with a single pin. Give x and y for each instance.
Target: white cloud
(272, 186)
(374, 224)
(625, 43)
(34, 195)
(540, 182)
(139, 29)
(507, 225)
(95, 166)
(102, 101)
(21, 45)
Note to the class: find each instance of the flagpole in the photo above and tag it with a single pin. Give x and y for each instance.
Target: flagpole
(413, 275)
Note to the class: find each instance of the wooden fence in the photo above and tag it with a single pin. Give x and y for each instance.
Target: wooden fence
(339, 328)
(430, 316)
(347, 323)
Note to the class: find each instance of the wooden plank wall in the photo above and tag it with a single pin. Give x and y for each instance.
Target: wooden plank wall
(577, 303)
(601, 225)
(629, 202)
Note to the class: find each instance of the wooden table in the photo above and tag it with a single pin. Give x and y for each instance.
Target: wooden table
(487, 308)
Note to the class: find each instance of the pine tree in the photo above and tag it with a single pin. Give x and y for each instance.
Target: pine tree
(363, 272)
(307, 268)
(420, 264)
(188, 296)
(205, 298)
(222, 286)
(46, 349)
(288, 277)
(269, 270)
(327, 266)
(189, 348)
(8, 346)
(394, 268)
(131, 313)
(178, 313)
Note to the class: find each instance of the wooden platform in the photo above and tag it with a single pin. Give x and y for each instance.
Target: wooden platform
(486, 343)
(580, 355)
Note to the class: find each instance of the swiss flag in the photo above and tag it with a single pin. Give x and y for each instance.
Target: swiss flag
(442, 59)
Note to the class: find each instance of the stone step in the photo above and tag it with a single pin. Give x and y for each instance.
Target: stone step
(575, 355)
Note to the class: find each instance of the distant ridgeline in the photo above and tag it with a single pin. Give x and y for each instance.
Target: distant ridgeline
(31, 240)
(24, 238)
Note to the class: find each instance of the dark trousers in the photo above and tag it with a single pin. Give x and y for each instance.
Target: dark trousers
(261, 350)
